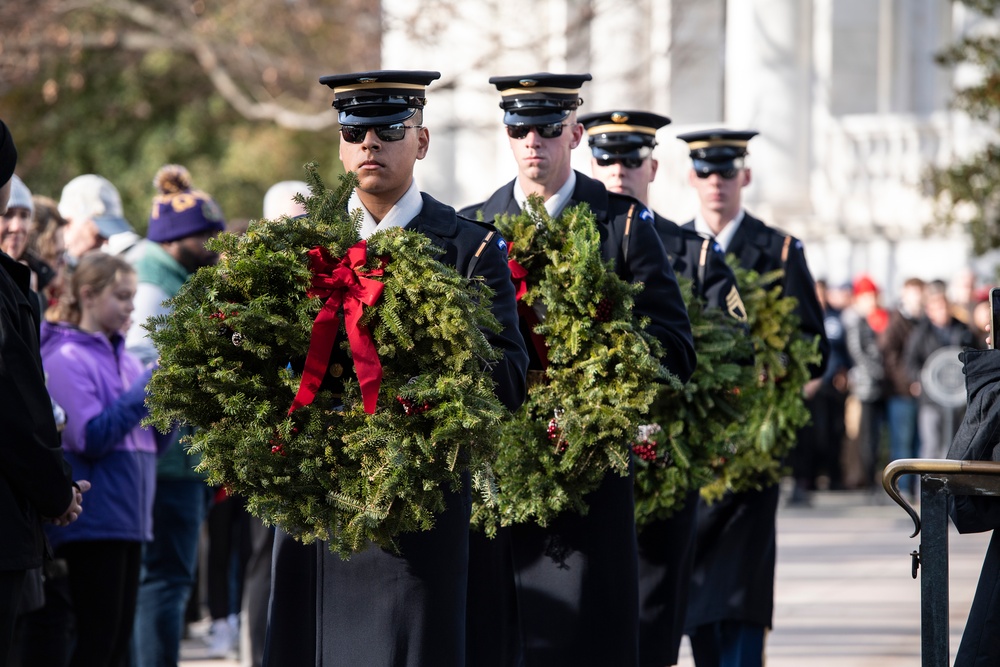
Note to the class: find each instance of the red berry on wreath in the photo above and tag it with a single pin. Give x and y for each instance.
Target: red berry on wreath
(604, 310)
(645, 450)
(554, 431)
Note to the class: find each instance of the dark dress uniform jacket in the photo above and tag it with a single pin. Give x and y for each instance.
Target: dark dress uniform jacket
(381, 609)
(666, 547)
(35, 480)
(566, 594)
(700, 260)
(733, 576)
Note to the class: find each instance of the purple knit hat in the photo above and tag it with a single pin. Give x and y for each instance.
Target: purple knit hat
(178, 211)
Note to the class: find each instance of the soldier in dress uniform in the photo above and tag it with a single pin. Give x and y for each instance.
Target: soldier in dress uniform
(380, 608)
(621, 145)
(731, 601)
(565, 594)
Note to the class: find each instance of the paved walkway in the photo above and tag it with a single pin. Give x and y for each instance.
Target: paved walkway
(843, 592)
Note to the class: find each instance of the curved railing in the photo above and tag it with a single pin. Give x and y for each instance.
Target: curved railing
(939, 479)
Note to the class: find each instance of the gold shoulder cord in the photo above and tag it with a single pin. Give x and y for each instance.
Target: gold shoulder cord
(703, 263)
(628, 232)
(475, 258)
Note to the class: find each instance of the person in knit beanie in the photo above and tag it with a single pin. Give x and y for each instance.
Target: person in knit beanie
(16, 222)
(182, 220)
(180, 212)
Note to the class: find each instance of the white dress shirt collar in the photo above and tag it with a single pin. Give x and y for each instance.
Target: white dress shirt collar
(724, 237)
(402, 212)
(554, 204)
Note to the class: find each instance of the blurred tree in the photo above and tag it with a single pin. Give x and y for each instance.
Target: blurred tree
(968, 191)
(229, 90)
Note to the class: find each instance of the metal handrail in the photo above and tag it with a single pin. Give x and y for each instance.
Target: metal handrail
(939, 479)
(900, 467)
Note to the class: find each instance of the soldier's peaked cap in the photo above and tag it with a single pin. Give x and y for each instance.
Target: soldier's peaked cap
(622, 134)
(540, 98)
(381, 97)
(718, 145)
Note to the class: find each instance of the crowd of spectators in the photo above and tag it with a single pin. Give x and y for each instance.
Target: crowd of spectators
(872, 405)
(157, 548)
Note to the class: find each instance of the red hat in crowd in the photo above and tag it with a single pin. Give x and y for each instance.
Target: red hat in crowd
(863, 285)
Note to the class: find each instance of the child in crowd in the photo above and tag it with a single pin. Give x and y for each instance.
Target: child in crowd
(102, 389)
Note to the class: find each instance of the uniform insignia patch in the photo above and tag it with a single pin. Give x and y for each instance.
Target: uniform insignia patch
(646, 215)
(734, 304)
(502, 244)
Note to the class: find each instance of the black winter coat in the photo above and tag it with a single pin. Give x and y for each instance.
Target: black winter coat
(977, 440)
(925, 339)
(35, 480)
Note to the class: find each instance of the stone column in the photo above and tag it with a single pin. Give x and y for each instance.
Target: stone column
(768, 88)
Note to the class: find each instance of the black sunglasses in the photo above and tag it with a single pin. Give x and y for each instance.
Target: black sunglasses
(550, 131)
(728, 174)
(627, 162)
(355, 134)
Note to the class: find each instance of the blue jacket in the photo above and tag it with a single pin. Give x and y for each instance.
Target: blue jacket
(102, 388)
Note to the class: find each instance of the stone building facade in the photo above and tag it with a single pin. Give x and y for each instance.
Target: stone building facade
(850, 106)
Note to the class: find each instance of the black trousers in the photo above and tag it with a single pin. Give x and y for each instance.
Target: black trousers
(561, 595)
(228, 549)
(980, 646)
(378, 609)
(257, 586)
(11, 582)
(666, 558)
(103, 583)
(45, 636)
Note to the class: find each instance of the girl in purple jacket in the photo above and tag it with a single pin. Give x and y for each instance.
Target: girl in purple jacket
(102, 388)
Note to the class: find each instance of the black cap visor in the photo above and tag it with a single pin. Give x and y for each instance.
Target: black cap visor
(374, 114)
(707, 167)
(620, 152)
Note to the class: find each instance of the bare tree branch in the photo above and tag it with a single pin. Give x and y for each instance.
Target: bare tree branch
(262, 56)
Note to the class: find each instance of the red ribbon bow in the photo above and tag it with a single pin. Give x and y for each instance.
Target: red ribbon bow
(519, 276)
(344, 283)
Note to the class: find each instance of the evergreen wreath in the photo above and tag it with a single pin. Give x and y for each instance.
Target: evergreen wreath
(694, 425)
(775, 406)
(342, 469)
(603, 372)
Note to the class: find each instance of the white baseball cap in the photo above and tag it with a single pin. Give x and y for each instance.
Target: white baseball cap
(92, 196)
(279, 199)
